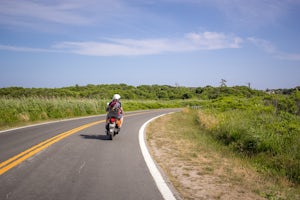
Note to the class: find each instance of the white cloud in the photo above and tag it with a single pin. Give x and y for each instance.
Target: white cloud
(213, 40)
(135, 47)
(269, 48)
(251, 13)
(38, 14)
(29, 12)
(254, 12)
(127, 47)
(24, 49)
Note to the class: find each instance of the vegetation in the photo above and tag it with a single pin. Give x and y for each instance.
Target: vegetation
(14, 111)
(253, 128)
(24, 110)
(147, 92)
(199, 164)
(263, 126)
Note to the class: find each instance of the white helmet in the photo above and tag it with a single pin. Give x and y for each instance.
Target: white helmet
(116, 97)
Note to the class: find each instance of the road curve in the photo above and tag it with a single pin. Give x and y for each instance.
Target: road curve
(77, 163)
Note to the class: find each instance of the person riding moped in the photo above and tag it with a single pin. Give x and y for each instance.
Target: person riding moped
(115, 109)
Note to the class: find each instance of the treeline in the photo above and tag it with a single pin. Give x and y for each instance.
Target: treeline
(149, 92)
(285, 91)
(287, 100)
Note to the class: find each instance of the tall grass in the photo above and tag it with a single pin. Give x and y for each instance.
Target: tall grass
(257, 131)
(130, 105)
(18, 111)
(14, 111)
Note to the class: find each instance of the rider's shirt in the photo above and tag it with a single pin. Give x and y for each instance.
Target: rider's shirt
(114, 109)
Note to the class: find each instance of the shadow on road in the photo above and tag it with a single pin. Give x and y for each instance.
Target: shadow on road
(98, 137)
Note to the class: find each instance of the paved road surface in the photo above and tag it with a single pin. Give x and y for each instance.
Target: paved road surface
(83, 165)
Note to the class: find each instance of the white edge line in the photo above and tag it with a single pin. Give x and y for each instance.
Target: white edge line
(158, 178)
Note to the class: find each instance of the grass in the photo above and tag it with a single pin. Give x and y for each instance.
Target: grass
(27, 110)
(191, 156)
(270, 141)
(20, 111)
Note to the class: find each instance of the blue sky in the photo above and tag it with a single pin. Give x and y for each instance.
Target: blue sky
(194, 43)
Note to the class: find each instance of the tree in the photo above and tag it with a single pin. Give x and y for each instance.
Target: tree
(223, 83)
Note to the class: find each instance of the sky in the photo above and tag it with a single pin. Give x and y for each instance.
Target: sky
(191, 43)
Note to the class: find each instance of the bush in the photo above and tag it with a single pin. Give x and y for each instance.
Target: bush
(253, 129)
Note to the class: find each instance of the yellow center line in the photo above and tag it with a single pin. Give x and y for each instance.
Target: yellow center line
(14, 161)
(17, 159)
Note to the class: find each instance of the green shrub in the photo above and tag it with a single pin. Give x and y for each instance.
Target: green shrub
(259, 131)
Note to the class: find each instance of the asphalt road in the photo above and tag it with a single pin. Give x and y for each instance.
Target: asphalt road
(76, 163)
